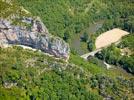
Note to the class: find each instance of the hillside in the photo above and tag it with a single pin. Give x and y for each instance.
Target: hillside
(70, 19)
(41, 42)
(26, 74)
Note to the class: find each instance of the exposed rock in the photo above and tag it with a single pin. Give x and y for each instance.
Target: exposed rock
(9, 85)
(34, 34)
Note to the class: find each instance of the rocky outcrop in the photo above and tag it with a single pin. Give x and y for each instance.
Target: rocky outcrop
(33, 33)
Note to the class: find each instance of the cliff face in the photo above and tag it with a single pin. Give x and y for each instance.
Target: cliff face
(33, 33)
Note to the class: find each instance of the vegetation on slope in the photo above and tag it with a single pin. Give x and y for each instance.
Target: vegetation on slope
(11, 10)
(31, 75)
(128, 41)
(27, 74)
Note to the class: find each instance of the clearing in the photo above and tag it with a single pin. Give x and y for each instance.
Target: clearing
(109, 37)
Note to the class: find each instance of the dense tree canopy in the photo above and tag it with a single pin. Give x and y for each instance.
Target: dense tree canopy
(73, 16)
(31, 75)
(66, 18)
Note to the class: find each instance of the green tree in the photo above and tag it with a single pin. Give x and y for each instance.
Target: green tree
(66, 36)
(90, 46)
(85, 37)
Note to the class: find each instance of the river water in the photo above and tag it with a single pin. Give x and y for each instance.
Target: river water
(80, 47)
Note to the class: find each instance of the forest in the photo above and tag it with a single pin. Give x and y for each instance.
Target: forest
(32, 75)
(77, 15)
(74, 19)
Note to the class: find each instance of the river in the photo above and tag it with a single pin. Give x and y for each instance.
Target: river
(81, 47)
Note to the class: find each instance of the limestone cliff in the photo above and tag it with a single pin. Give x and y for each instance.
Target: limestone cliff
(36, 36)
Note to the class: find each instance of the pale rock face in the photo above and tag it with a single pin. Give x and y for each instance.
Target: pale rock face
(37, 36)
